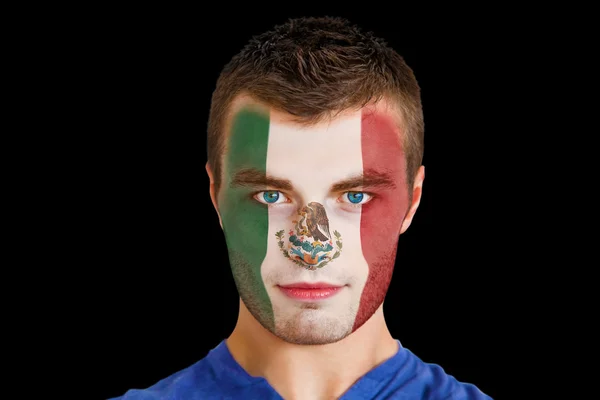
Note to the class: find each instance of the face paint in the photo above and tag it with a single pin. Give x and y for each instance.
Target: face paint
(245, 221)
(310, 243)
(317, 204)
(381, 222)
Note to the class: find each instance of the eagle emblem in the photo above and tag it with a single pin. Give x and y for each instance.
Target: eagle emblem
(310, 243)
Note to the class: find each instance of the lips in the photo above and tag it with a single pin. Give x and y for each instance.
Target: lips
(310, 291)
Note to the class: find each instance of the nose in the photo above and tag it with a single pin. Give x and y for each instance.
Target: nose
(310, 243)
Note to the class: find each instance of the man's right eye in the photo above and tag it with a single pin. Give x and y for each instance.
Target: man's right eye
(271, 197)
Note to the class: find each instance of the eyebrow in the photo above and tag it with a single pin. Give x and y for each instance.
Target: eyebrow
(369, 179)
(251, 177)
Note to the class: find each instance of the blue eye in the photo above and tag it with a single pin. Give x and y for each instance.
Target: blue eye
(270, 197)
(274, 197)
(355, 197)
(358, 198)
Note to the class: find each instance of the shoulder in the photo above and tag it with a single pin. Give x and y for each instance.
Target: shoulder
(414, 378)
(437, 384)
(216, 376)
(194, 382)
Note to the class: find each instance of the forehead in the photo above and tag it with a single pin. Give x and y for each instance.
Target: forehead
(384, 114)
(330, 149)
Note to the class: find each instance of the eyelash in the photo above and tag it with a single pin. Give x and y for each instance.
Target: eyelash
(370, 195)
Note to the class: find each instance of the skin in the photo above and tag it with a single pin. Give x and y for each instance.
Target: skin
(302, 348)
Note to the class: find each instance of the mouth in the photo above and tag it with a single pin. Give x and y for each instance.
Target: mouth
(310, 291)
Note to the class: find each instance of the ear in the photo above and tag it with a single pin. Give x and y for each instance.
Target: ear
(416, 199)
(213, 194)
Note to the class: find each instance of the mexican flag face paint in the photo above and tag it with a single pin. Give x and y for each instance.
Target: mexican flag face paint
(312, 204)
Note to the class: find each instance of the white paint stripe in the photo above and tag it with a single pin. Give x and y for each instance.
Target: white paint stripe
(313, 158)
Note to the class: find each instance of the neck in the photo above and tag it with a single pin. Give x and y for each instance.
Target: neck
(306, 371)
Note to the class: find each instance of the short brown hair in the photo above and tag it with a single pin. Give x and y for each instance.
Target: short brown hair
(313, 68)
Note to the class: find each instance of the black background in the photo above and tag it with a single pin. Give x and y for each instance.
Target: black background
(154, 280)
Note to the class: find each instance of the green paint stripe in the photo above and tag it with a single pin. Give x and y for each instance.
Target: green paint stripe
(245, 220)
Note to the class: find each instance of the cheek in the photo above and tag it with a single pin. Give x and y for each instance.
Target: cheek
(245, 222)
(379, 231)
(381, 223)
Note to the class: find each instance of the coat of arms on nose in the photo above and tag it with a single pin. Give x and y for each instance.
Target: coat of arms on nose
(310, 244)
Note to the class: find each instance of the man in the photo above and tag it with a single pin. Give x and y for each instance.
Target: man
(315, 143)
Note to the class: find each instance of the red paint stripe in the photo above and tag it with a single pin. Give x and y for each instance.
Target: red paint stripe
(381, 217)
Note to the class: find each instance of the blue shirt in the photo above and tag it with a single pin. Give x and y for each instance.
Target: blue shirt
(218, 376)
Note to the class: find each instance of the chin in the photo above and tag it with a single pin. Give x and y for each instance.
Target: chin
(312, 326)
(298, 335)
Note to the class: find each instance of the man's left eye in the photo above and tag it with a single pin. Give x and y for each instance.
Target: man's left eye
(356, 197)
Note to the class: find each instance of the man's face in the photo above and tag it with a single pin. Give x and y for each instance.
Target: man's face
(307, 207)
